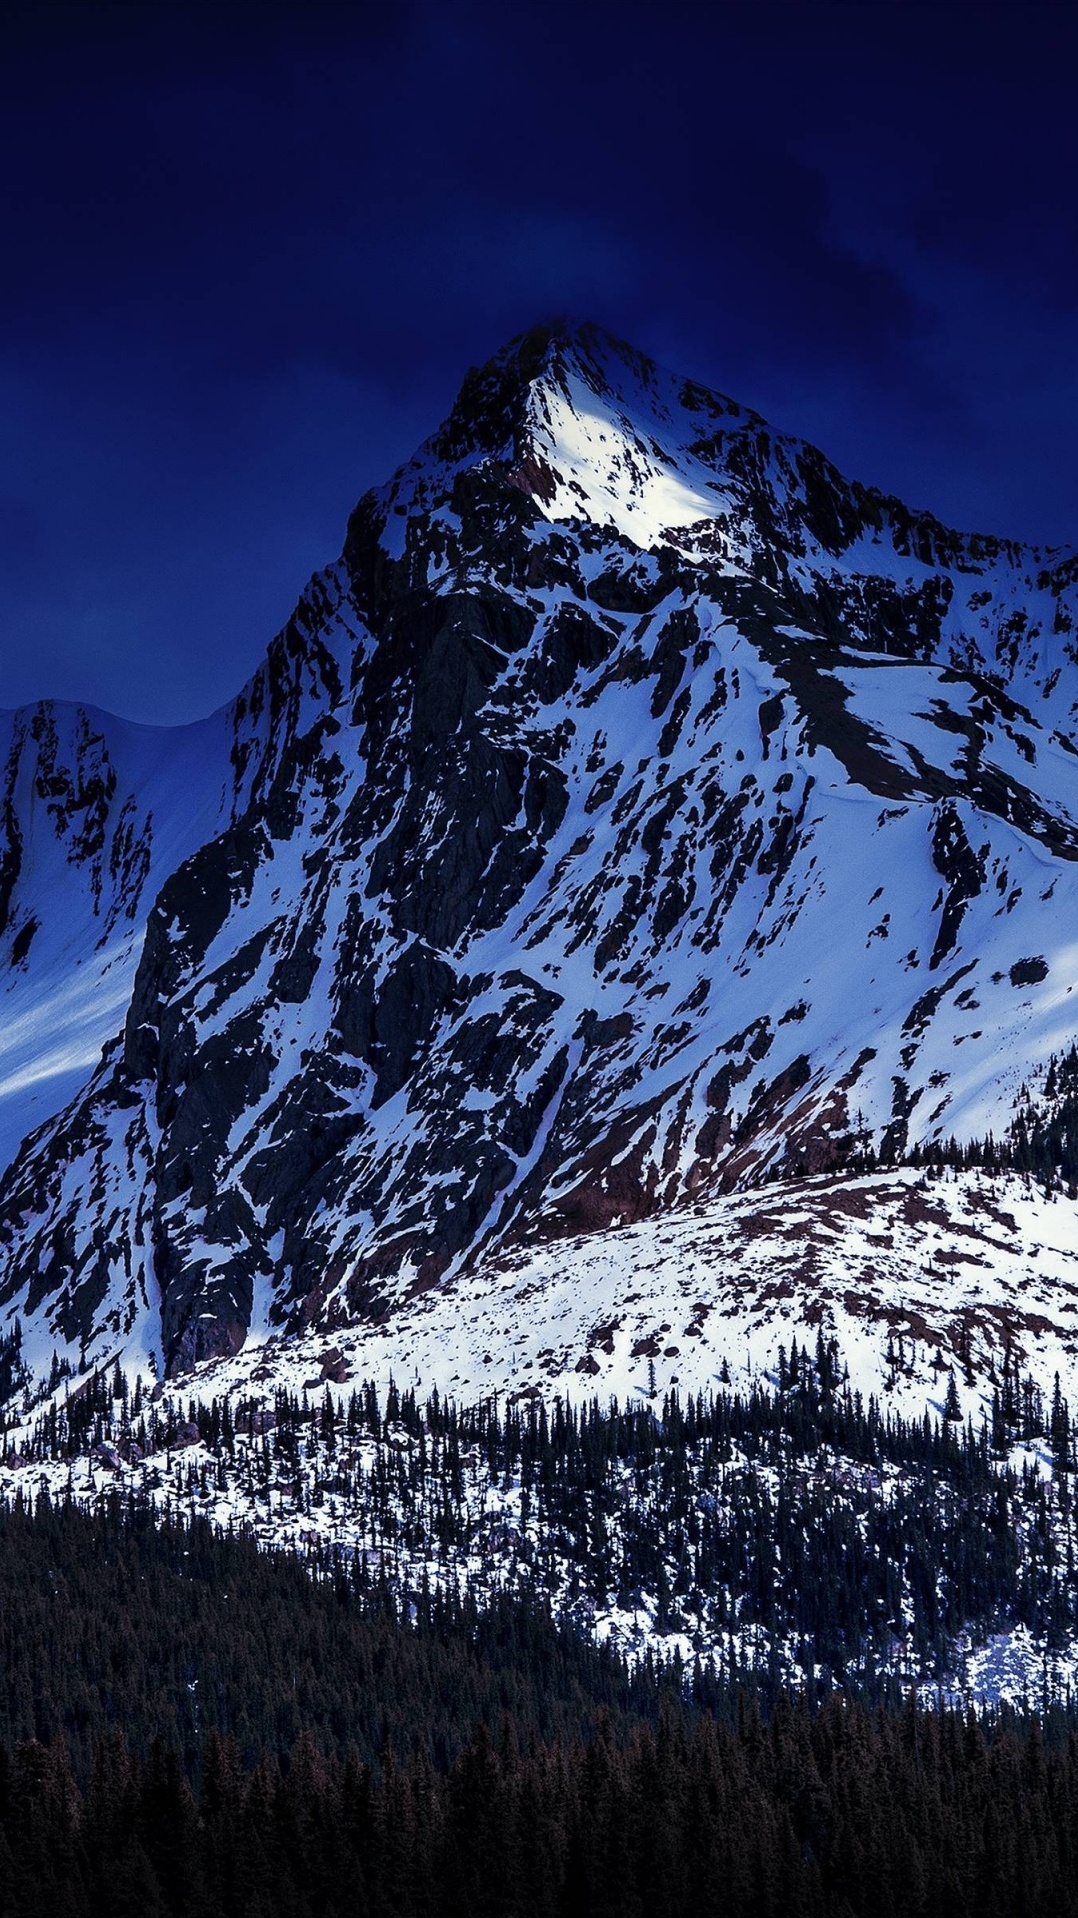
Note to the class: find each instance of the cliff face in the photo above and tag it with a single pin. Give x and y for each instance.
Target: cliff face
(637, 807)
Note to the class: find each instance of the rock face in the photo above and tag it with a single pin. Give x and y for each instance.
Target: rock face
(637, 808)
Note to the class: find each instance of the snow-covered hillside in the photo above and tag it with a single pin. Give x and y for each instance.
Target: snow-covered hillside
(638, 810)
(913, 1277)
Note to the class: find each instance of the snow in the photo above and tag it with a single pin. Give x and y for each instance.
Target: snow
(598, 457)
(941, 1263)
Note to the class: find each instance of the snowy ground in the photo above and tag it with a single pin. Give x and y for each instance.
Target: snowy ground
(943, 1271)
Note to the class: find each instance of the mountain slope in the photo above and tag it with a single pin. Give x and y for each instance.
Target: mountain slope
(637, 811)
(96, 813)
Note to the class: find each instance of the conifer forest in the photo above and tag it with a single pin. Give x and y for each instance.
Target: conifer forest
(194, 1721)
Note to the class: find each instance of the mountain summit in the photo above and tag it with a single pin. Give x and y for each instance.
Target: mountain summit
(637, 812)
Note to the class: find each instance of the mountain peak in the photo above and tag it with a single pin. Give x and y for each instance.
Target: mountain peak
(589, 427)
(594, 431)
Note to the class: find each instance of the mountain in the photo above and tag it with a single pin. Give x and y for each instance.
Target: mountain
(637, 814)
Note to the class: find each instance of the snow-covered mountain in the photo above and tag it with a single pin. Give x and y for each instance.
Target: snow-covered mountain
(637, 811)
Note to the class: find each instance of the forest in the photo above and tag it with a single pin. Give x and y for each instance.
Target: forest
(334, 1756)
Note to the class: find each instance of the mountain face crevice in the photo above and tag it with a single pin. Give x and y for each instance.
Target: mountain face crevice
(637, 810)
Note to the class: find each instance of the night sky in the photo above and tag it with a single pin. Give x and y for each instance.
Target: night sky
(249, 253)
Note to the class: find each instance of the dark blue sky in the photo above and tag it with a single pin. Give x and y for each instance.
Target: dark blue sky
(248, 254)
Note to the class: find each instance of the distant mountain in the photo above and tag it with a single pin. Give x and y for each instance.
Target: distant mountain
(637, 812)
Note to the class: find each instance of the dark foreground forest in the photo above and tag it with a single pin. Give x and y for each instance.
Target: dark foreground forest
(334, 1757)
(837, 1812)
